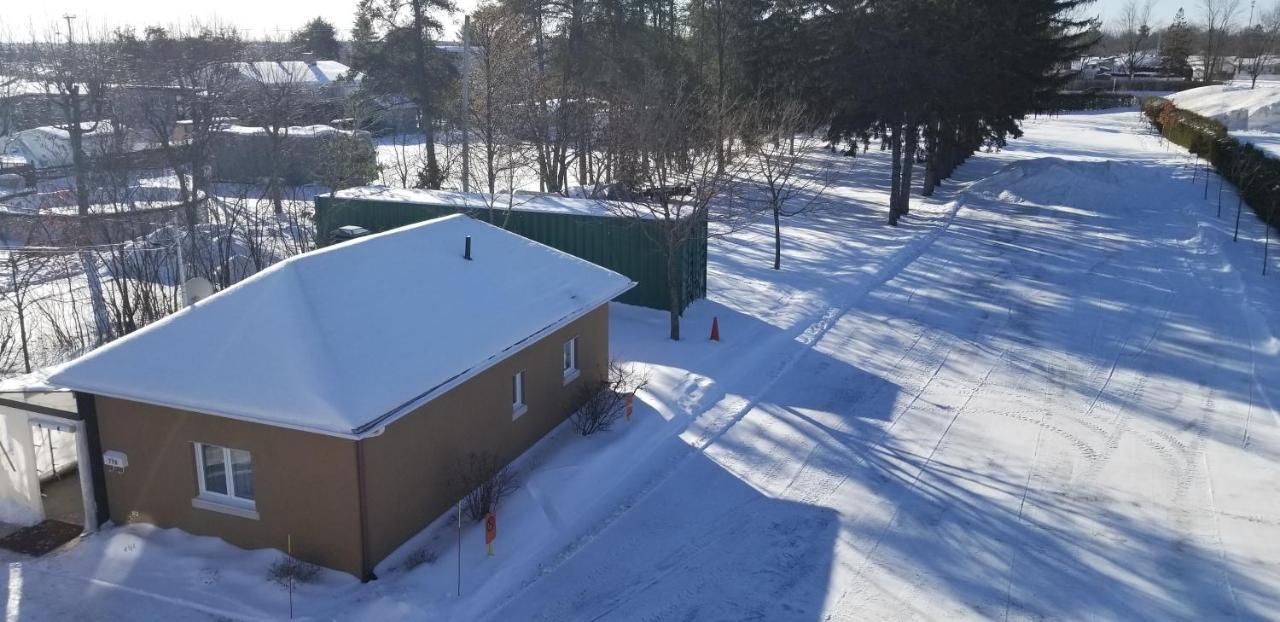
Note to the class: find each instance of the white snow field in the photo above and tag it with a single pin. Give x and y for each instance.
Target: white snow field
(1050, 394)
(1236, 106)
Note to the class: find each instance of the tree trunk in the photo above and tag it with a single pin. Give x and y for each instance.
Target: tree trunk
(908, 166)
(931, 160)
(26, 353)
(20, 306)
(433, 165)
(674, 281)
(101, 321)
(895, 141)
(777, 236)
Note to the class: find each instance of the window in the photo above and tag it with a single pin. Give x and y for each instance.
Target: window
(570, 357)
(225, 476)
(518, 407)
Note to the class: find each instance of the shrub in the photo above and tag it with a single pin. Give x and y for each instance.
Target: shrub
(1255, 174)
(482, 481)
(287, 570)
(601, 403)
(417, 557)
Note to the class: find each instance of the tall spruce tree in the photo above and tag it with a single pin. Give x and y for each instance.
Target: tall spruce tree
(394, 47)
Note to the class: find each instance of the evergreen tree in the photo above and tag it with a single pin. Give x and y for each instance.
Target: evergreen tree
(394, 47)
(1175, 51)
(319, 38)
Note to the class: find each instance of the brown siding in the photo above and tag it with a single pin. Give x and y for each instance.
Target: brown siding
(407, 466)
(305, 484)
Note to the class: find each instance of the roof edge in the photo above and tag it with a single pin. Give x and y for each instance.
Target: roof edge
(372, 427)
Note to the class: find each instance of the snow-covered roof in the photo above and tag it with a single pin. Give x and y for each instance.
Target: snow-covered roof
(343, 340)
(476, 200)
(293, 130)
(319, 72)
(50, 146)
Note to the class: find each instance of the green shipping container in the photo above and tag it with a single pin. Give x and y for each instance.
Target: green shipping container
(628, 246)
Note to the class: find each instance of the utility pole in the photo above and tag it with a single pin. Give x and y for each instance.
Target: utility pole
(466, 103)
(70, 32)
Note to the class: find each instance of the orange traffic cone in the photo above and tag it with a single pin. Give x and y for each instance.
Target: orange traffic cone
(715, 329)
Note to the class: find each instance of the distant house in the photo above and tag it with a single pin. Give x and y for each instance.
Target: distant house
(1227, 67)
(26, 104)
(324, 400)
(243, 153)
(322, 77)
(50, 146)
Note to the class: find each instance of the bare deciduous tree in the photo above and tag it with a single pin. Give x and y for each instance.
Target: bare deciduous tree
(1218, 18)
(1259, 44)
(1135, 30)
(775, 165)
(669, 172)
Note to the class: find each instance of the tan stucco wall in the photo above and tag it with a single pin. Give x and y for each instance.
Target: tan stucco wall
(408, 466)
(305, 484)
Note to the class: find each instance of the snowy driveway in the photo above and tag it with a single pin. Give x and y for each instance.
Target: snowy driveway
(1051, 412)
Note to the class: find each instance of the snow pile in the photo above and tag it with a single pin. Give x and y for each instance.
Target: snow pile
(1057, 182)
(1237, 107)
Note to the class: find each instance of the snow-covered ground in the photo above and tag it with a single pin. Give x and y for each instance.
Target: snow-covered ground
(1251, 114)
(1235, 105)
(1044, 396)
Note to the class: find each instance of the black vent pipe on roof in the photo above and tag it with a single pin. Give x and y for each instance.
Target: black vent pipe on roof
(466, 252)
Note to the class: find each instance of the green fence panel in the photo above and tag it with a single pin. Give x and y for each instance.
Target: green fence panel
(627, 246)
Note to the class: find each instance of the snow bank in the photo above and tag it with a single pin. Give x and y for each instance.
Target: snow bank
(1057, 182)
(1237, 107)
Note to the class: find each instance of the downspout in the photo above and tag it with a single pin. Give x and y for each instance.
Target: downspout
(86, 405)
(366, 568)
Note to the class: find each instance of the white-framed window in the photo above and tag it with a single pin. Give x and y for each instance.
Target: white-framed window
(225, 476)
(570, 359)
(518, 407)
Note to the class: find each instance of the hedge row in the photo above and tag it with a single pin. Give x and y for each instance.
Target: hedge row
(1255, 175)
(1080, 102)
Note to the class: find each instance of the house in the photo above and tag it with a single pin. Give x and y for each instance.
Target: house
(322, 78)
(244, 154)
(325, 400)
(50, 146)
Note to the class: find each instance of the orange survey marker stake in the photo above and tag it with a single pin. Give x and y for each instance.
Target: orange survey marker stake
(715, 328)
(490, 531)
(631, 398)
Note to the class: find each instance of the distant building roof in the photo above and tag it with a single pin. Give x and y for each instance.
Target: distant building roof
(321, 72)
(343, 340)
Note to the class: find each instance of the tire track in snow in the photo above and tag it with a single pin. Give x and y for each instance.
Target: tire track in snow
(734, 408)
